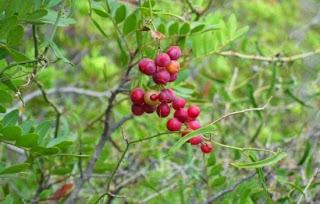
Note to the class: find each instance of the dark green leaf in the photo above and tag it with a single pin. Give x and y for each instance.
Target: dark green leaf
(2, 109)
(174, 28)
(10, 133)
(215, 170)
(185, 28)
(36, 15)
(120, 14)
(5, 97)
(100, 13)
(218, 181)
(44, 150)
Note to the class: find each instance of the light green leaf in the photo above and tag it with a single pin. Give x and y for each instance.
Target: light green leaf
(218, 181)
(28, 140)
(261, 163)
(15, 168)
(185, 28)
(174, 28)
(130, 23)
(10, 133)
(58, 53)
(15, 35)
(45, 151)
(11, 118)
(43, 128)
(36, 15)
(61, 142)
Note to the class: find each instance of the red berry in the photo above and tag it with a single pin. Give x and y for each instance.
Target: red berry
(151, 97)
(147, 66)
(174, 124)
(137, 96)
(161, 77)
(163, 110)
(178, 103)
(195, 140)
(163, 60)
(137, 109)
(191, 119)
(193, 125)
(181, 114)
(173, 67)
(173, 77)
(206, 148)
(193, 111)
(174, 52)
(166, 95)
(148, 109)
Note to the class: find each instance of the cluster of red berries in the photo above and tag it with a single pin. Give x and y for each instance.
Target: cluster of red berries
(165, 69)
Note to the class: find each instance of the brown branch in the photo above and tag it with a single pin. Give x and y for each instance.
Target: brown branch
(292, 58)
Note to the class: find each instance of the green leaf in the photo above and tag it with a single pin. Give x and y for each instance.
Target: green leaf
(17, 56)
(211, 160)
(11, 118)
(36, 15)
(2, 109)
(43, 128)
(99, 28)
(61, 142)
(57, 52)
(5, 97)
(61, 171)
(174, 28)
(6, 24)
(185, 28)
(15, 36)
(45, 151)
(51, 17)
(218, 181)
(15, 168)
(261, 163)
(10, 133)
(306, 153)
(28, 140)
(215, 170)
(120, 14)
(182, 140)
(130, 23)
(100, 13)
(197, 28)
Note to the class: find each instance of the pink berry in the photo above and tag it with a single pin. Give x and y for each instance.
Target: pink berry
(161, 77)
(174, 124)
(148, 109)
(147, 66)
(194, 125)
(163, 60)
(137, 96)
(195, 140)
(173, 77)
(174, 52)
(178, 103)
(206, 148)
(181, 114)
(137, 109)
(163, 110)
(166, 95)
(193, 111)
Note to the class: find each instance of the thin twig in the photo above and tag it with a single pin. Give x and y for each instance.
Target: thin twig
(292, 58)
(55, 108)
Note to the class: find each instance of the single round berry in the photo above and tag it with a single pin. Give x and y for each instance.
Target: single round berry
(137, 109)
(191, 119)
(195, 140)
(193, 111)
(163, 110)
(178, 103)
(193, 125)
(173, 77)
(161, 77)
(174, 124)
(181, 114)
(163, 60)
(166, 95)
(137, 96)
(148, 109)
(206, 148)
(151, 97)
(147, 66)
(174, 52)
(173, 67)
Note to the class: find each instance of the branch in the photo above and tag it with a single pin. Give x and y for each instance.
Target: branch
(292, 58)
(55, 108)
(213, 198)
